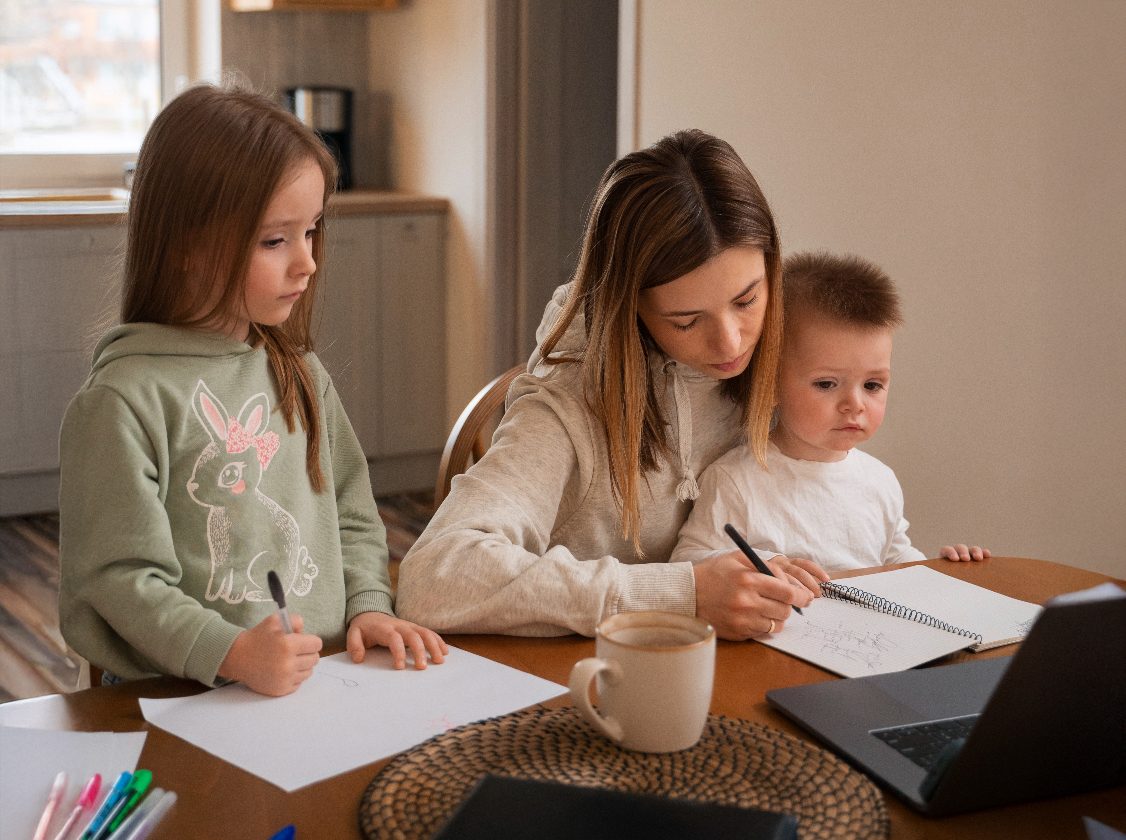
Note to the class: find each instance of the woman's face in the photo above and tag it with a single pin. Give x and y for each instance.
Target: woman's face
(710, 319)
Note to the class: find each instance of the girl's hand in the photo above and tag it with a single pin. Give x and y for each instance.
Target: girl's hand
(740, 602)
(369, 629)
(965, 553)
(270, 661)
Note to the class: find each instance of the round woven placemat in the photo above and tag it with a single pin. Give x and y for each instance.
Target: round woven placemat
(737, 762)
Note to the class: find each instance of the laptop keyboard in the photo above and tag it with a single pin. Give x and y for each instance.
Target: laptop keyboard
(923, 742)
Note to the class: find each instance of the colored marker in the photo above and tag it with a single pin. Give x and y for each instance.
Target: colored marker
(287, 833)
(279, 595)
(737, 538)
(112, 798)
(58, 788)
(138, 814)
(85, 801)
(150, 821)
(133, 792)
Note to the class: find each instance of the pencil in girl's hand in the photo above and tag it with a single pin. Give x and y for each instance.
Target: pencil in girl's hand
(278, 595)
(744, 547)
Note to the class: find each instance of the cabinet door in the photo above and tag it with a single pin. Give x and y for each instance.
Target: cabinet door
(412, 333)
(59, 291)
(346, 341)
(382, 331)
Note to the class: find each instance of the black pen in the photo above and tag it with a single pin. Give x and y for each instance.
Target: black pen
(750, 552)
(279, 595)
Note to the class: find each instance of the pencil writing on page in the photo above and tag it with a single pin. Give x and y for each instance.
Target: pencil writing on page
(745, 547)
(278, 595)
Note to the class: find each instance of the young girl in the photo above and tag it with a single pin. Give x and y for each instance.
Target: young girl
(208, 446)
(661, 356)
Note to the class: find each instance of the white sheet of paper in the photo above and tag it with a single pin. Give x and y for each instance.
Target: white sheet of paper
(995, 617)
(346, 714)
(852, 641)
(31, 758)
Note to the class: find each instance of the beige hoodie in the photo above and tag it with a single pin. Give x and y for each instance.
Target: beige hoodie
(529, 540)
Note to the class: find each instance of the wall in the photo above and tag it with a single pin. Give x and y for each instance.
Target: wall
(278, 50)
(419, 79)
(430, 58)
(567, 136)
(975, 150)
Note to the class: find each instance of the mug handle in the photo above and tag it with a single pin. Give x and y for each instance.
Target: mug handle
(584, 671)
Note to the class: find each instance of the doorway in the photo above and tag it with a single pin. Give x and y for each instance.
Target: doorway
(554, 104)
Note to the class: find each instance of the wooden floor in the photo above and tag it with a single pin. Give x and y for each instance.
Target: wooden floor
(33, 656)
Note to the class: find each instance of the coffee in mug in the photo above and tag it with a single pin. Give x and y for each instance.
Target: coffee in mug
(654, 675)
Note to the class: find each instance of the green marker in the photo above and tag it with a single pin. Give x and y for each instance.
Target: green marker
(133, 793)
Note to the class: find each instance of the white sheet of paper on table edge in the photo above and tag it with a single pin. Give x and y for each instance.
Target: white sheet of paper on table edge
(346, 715)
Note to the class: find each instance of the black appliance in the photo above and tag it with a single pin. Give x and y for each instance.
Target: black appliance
(328, 111)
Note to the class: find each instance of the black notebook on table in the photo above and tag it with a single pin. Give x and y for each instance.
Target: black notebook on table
(516, 809)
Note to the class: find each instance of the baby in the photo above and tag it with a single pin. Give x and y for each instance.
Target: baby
(819, 497)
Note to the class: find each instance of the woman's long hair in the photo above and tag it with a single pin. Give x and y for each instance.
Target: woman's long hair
(658, 214)
(209, 165)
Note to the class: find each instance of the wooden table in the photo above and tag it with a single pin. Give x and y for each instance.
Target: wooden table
(217, 799)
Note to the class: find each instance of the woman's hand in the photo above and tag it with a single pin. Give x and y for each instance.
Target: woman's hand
(740, 602)
(369, 629)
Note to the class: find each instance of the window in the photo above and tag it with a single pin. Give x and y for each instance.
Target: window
(80, 81)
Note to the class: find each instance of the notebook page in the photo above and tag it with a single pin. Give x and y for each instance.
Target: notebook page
(997, 618)
(853, 641)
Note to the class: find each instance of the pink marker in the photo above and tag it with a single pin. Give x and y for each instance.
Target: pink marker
(85, 802)
(58, 788)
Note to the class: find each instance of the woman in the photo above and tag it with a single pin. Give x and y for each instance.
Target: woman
(660, 355)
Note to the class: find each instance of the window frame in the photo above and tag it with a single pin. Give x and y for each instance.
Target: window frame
(189, 52)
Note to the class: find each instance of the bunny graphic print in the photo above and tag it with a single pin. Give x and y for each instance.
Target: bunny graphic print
(227, 480)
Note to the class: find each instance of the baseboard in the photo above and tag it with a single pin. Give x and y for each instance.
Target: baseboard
(404, 473)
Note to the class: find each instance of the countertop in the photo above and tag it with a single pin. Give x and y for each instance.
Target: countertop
(42, 208)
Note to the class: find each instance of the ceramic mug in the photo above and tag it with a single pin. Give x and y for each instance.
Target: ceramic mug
(654, 680)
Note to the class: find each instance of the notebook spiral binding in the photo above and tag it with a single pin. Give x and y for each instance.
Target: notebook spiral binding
(875, 602)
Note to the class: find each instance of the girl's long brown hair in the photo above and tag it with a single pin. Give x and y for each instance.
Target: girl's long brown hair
(658, 214)
(206, 172)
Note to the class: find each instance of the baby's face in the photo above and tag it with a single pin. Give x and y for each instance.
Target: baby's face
(833, 388)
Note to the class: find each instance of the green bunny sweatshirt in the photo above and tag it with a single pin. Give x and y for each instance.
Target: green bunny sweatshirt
(181, 488)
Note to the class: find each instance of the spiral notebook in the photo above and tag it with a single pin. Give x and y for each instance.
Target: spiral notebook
(896, 620)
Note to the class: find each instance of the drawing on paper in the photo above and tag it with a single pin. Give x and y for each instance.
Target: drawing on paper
(856, 645)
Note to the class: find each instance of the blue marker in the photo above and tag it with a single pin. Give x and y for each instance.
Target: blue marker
(112, 798)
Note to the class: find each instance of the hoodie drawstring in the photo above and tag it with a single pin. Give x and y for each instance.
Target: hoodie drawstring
(687, 489)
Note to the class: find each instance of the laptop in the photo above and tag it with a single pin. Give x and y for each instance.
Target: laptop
(1048, 721)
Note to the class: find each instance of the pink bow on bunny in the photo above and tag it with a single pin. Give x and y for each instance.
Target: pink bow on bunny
(240, 440)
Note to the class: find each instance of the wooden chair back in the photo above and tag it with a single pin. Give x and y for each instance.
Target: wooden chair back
(473, 431)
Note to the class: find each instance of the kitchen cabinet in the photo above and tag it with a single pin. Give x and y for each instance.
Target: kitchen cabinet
(58, 292)
(313, 5)
(380, 333)
(382, 337)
